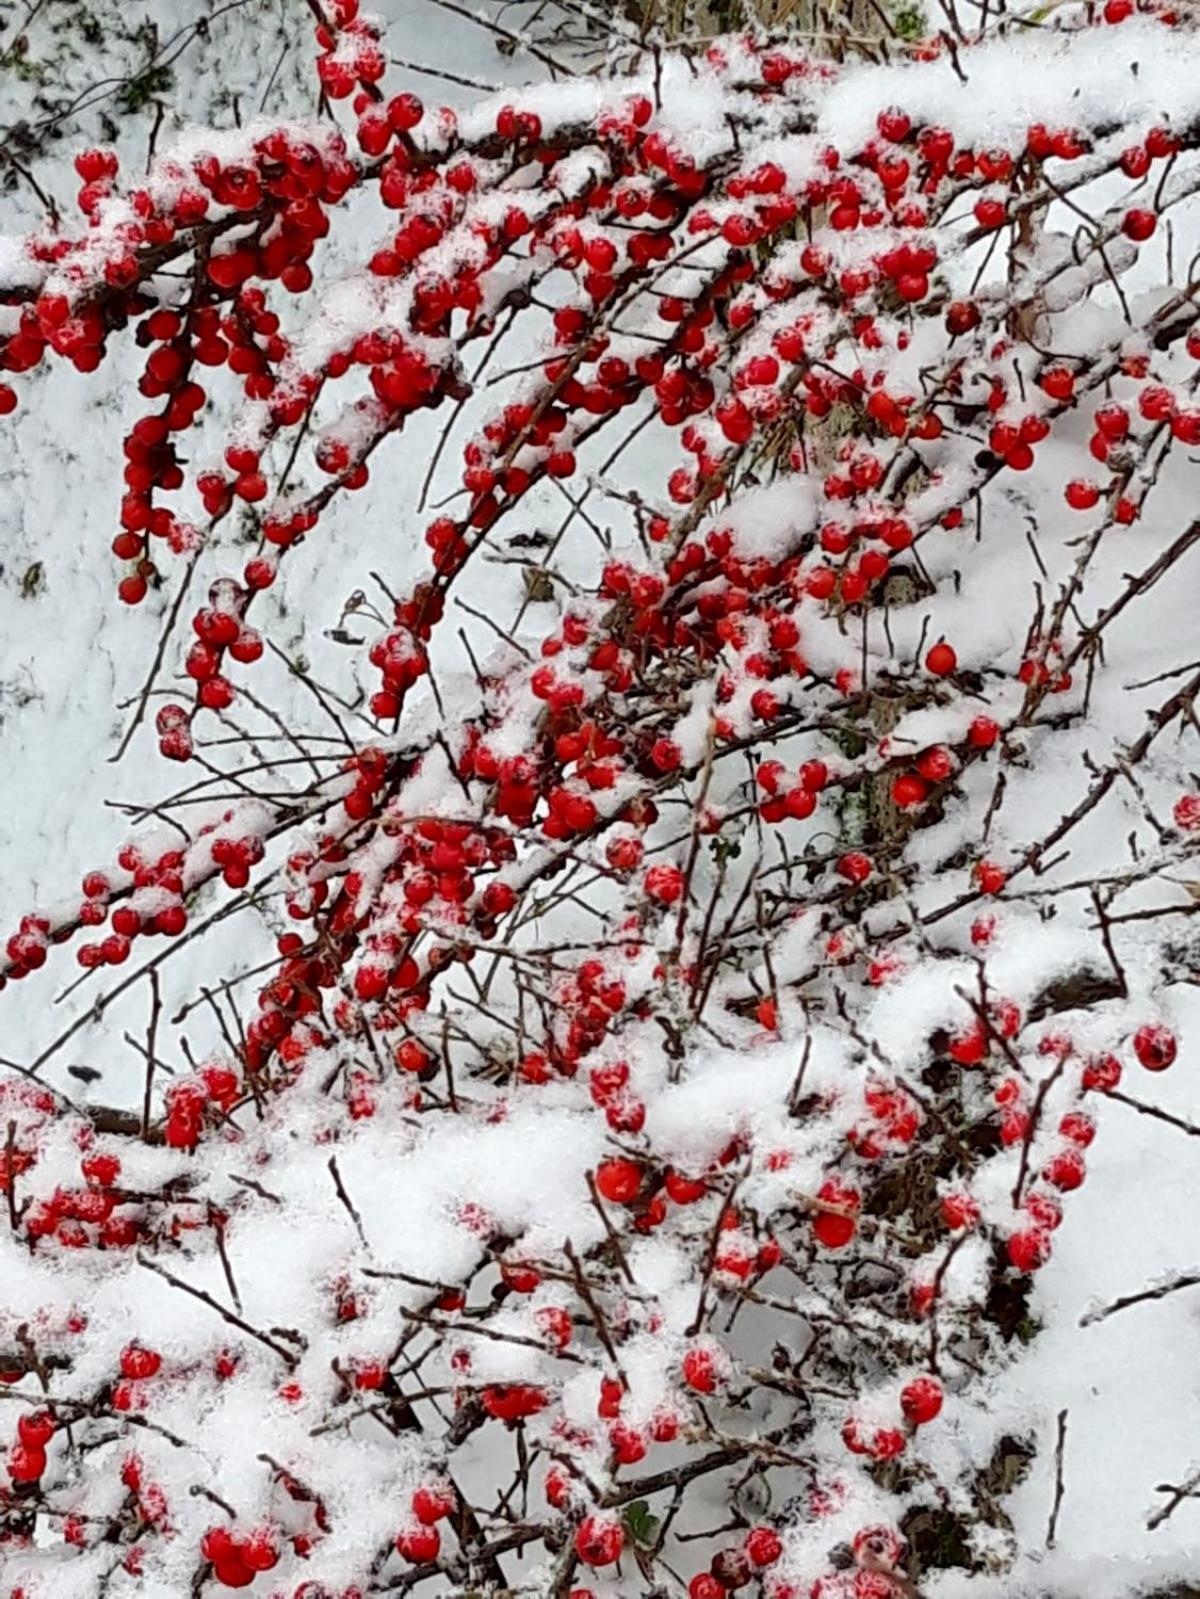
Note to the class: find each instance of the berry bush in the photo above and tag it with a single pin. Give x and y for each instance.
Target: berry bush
(739, 889)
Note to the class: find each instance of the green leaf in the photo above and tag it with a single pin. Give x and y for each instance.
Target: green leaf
(640, 1524)
(909, 23)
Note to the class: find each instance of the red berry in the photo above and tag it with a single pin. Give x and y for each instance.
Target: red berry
(624, 854)
(831, 1228)
(921, 1400)
(498, 899)
(763, 1546)
(705, 1586)
(26, 1463)
(989, 877)
(1077, 1128)
(260, 1551)
(1155, 1047)
(665, 884)
(1102, 1073)
(1112, 421)
(959, 1211)
(990, 213)
(700, 1370)
(894, 124)
(961, 317)
(1139, 224)
(599, 1540)
(1043, 1208)
(1065, 1171)
(684, 1190)
(909, 790)
(1058, 382)
(412, 1056)
(1081, 494)
(36, 1428)
(936, 764)
(968, 1049)
(1029, 1249)
(138, 1363)
(619, 1180)
(404, 112)
(941, 660)
(983, 733)
(855, 867)
(419, 1544)
(886, 1443)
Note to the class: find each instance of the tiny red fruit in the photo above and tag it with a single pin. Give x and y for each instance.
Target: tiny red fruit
(763, 1546)
(599, 1540)
(700, 1370)
(941, 660)
(1066, 1170)
(1081, 494)
(835, 1228)
(1139, 224)
(1029, 1249)
(1155, 1046)
(619, 1180)
(855, 867)
(419, 1544)
(921, 1400)
(705, 1586)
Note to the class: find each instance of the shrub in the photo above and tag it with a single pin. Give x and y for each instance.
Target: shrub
(683, 1039)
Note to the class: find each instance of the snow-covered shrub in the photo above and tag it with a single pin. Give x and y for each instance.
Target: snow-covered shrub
(696, 996)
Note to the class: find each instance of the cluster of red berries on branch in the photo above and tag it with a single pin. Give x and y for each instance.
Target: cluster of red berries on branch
(690, 976)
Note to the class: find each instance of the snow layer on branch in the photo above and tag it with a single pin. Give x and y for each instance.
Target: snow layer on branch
(1148, 71)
